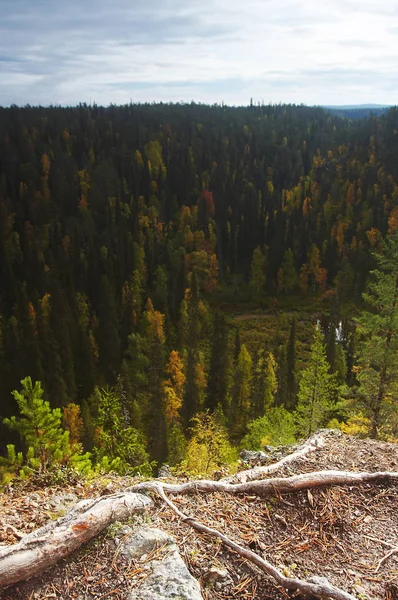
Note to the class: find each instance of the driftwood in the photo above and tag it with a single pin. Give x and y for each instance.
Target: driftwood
(45, 546)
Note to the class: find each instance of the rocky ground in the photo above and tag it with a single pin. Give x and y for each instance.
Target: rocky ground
(347, 534)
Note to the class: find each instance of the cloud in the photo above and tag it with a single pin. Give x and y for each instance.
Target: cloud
(314, 52)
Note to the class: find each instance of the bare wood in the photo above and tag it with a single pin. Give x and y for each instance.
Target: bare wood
(316, 442)
(383, 542)
(321, 589)
(263, 487)
(382, 560)
(45, 546)
(38, 550)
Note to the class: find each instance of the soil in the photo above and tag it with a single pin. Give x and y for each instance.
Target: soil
(341, 533)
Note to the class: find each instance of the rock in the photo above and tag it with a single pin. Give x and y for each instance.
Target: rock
(144, 540)
(169, 578)
(249, 456)
(164, 471)
(269, 448)
(220, 578)
(61, 503)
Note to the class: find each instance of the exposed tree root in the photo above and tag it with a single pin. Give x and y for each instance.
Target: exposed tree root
(45, 546)
(264, 487)
(316, 442)
(382, 560)
(321, 589)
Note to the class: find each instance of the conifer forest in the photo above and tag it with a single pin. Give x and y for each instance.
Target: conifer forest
(180, 281)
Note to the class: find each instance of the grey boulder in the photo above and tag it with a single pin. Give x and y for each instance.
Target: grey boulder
(168, 576)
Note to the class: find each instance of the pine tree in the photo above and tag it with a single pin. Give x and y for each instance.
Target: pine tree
(377, 353)
(316, 390)
(39, 426)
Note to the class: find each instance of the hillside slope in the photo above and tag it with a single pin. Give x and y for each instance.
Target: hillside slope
(341, 533)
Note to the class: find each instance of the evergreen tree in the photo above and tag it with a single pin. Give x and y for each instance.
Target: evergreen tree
(196, 385)
(289, 278)
(377, 354)
(316, 390)
(265, 383)
(241, 394)
(134, 375)
(291, 379)
(257, 271)
(46, 442)
(118, 445)
(219, 372)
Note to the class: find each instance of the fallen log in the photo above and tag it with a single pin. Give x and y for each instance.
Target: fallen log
(45, 546)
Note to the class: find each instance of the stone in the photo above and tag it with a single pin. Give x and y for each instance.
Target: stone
(143, 540)
(61, 503)
(168, 578)
(267, 448)
(164, 471)
(217, 577)
(250, 456)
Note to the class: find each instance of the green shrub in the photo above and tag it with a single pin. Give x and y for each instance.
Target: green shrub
(276, 428)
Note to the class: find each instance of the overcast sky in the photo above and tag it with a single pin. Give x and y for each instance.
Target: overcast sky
(213, 51)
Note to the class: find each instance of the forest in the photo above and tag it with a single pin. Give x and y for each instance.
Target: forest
(179, 281)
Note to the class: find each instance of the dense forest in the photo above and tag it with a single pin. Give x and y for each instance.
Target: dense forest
(130, 239)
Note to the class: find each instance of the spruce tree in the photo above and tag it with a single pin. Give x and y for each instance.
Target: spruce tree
(377, 353)
(316, 390)
(118, 445)
(265, 383)
(241, 394)
(291, 376)
(219, 373)
(257, 271)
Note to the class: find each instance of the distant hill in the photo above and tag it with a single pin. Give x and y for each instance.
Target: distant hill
(358, 111)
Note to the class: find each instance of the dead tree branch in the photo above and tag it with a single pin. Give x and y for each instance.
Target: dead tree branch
(321, 589)
(45, 546)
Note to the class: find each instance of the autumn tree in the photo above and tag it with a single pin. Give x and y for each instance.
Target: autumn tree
(174, 387)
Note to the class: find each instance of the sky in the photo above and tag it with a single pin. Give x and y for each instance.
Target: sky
(328, 52)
